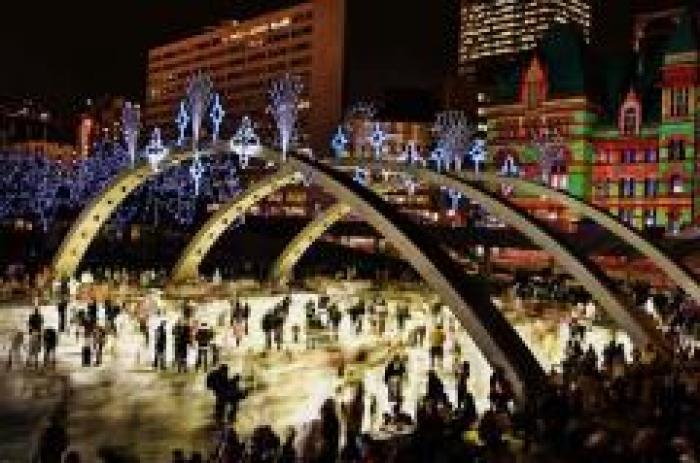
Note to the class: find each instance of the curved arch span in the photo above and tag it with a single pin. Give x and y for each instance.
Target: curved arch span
(675, 271)
(99, 210)
(284, 265)
(187, 266)
(463, 293)
(636, 325)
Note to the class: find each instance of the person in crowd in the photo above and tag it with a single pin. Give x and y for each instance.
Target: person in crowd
(50, 342)
(62, 308)
(437, 342)
(217, 383)
(99, 339)
(36, 321)
(463, 384)
(393, 378)
(161, 338)
(181, 341)
(234, 393)
(203, 337)
(53, 442)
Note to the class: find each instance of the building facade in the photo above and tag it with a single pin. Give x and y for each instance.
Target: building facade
(243, 57)
(504, 27)
(640, 168)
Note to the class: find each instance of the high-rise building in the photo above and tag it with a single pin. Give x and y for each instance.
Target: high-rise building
(243, 57)
(344, 52)
(505, 27)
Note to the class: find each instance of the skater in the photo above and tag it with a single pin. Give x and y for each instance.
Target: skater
(203, 337)
(50, 343)
(62, 308)
(161, 339)
(86, 351)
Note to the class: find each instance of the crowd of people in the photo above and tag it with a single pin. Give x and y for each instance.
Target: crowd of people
(615, 406)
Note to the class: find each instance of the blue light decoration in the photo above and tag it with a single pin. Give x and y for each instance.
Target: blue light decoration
(217, 114)
(199, 96)
(509, 167)
(131, 121)
(361, 176)
(156, 151)
(477, 153)
(196, 172)
(453, 133)
(183, 121)
(245, 142)
(339, 143)
(377, 139)
(439, 156)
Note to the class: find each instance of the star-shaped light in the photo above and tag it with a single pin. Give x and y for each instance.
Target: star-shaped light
(217, 114)
(155, 150)
(339, 142)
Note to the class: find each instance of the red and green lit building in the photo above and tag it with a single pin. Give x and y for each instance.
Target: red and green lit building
(635, 158)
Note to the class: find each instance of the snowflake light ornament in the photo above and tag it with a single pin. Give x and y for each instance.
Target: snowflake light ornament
(131, 119)
(245, 142)
(377, 139)
(361, 176)
(197, 172)
(156, 151)
(217, 114)
(477, 153)
(339, 142)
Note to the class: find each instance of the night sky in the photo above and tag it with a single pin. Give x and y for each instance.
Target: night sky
(63, 51)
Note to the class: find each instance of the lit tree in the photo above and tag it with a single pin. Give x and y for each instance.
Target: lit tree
(131, 121)
(550, 149)
(199, 95)
(454, 134)
(284, 95)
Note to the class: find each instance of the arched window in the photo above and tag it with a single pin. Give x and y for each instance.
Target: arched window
(629, 121)
(630, 116)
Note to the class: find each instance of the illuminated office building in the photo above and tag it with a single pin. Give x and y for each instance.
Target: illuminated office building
(242, 58)
(504, 27)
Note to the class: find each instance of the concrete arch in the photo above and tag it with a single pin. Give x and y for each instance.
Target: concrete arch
(283, 266)
(187, 266)
(463, 293)
(96, 214)
(676, 272)
(640, 328)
